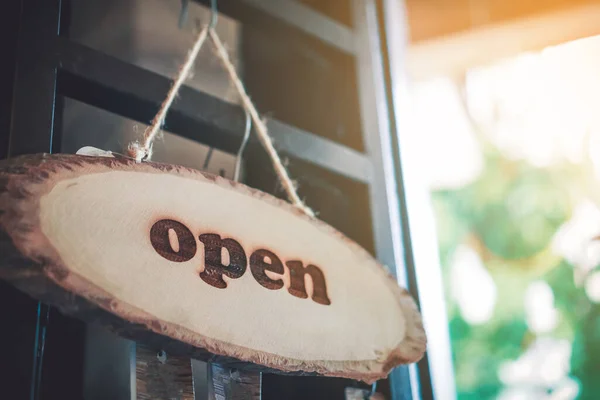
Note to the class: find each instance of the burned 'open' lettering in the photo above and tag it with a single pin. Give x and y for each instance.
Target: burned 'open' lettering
(297, 286)
(175, 242)
(213, 264)
(258, 266)
(161, 237)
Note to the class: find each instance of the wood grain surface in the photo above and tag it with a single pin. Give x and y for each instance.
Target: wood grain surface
(198, 265)
(233, 384)
(160, 376)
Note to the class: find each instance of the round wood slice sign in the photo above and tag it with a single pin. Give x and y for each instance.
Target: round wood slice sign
(196, 264)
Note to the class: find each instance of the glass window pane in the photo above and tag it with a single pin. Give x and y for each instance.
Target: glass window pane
(290, 75)
(146, 33)
(85, 125)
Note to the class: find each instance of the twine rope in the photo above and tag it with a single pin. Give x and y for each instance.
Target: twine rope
(142, 151)
(259, 125)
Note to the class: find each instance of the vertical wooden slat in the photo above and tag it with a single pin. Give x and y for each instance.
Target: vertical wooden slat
(162, 377)
(233, 384)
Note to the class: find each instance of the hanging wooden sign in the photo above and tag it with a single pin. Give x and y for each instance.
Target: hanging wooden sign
(196, 264)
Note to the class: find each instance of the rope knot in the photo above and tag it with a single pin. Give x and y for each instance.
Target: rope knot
(140, 153)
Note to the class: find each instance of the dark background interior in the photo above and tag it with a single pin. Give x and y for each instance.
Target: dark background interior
(291, 76)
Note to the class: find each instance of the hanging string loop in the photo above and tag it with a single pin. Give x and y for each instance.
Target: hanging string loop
(142, 150)
(259, 125)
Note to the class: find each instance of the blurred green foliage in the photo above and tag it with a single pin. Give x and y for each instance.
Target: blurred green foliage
(509, 216)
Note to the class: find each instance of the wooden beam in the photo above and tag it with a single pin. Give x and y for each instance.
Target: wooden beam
(454, 54)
